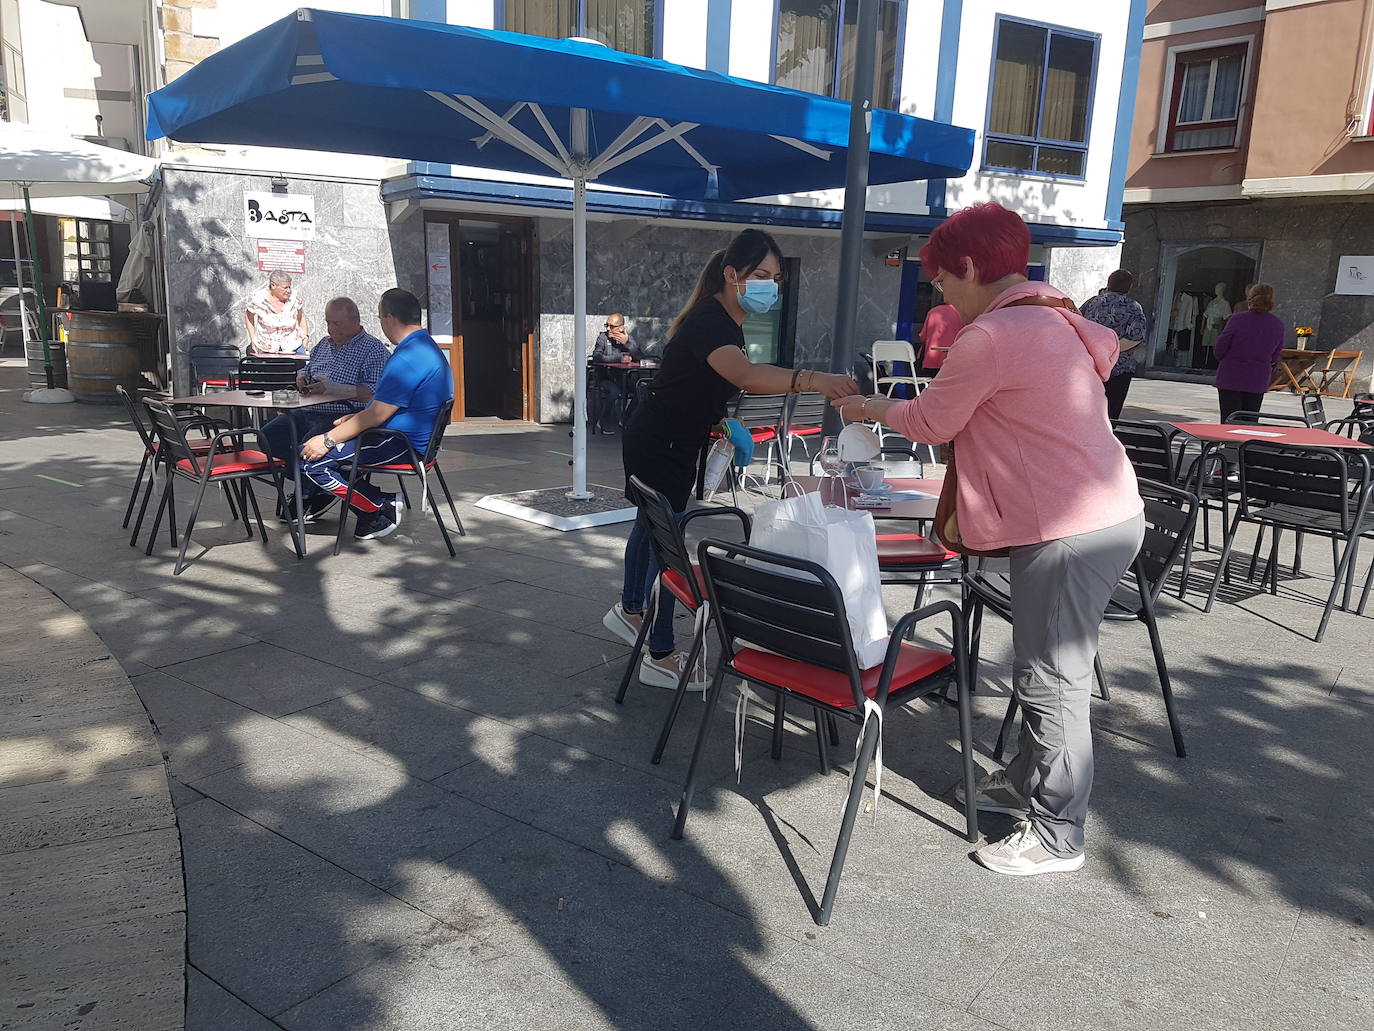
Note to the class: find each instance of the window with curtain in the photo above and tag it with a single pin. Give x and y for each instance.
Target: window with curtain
(1040, 96)
(816, 45)
(624, 25)
(1204, 102)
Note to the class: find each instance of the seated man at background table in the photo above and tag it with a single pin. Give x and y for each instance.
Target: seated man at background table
(415, 384)
(349, 357)
(614, 345)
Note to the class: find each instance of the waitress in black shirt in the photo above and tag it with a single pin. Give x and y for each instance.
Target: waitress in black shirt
(704, 366)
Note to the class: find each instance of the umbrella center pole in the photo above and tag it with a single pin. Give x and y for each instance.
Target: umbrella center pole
(579, 490)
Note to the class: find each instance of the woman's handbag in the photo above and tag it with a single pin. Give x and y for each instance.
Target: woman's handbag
(946, 509)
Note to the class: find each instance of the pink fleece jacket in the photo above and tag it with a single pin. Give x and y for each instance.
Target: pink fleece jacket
(1021, 397)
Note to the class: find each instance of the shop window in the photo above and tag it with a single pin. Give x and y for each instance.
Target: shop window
(816, 45)
(86, 256)
(624, 25)
(1205, 99)
(13, 105)
(1040, 100)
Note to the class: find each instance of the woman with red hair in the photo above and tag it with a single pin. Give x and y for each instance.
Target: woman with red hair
(1042, 476)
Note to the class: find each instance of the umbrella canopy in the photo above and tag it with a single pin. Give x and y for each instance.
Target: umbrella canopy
(54, 165)
(418, 90)
(38, 163)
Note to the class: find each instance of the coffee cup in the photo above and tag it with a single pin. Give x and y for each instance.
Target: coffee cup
(870, 476)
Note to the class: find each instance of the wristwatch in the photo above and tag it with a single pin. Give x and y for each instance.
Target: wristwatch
(329, 441)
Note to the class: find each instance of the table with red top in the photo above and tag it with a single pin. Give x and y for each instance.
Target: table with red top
(1285, 436)
(262, 400)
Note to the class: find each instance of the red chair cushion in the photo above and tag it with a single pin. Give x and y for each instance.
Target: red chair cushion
(763, 434)
(681, 589)
(215, 382)
(806, 431)
(234, 462)
(910, 549)
(826, 685)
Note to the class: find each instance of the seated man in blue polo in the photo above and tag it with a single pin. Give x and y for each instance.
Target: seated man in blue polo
(348, 357)
(415, 384)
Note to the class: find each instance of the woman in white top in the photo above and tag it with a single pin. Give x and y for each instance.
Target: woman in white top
(276, 319)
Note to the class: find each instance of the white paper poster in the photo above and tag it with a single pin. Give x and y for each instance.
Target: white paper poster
(279, 216)
(1355, 275)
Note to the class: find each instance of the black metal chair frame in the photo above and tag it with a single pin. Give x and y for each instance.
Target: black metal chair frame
(174, 449)
(150, 453)
(667, 540)
(1282, 487)
(417, 465)
(763, 412)
(1313, 410)
(1158, 461)
(1170, 515)
(796, 610)
(804, 411)
(213, 362)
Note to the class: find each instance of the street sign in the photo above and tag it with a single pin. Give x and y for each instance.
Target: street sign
(281, 256)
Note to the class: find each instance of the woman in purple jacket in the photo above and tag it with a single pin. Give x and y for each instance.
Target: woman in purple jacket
(1247, 352)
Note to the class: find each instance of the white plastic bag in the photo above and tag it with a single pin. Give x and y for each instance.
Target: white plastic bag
(718, 458)
(843, 543)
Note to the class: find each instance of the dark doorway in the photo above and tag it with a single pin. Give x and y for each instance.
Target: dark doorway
(493, 290)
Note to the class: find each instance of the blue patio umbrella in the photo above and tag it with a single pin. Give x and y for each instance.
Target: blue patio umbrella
(320, 80)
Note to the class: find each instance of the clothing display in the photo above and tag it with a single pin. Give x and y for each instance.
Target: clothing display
(1185, 313)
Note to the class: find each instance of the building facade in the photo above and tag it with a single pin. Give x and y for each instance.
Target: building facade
(489, 253)
(1252, 159)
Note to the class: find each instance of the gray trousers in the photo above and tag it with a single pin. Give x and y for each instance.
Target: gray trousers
(1059, 590)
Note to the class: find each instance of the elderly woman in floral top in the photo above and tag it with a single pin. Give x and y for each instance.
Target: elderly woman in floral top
(1125, 317)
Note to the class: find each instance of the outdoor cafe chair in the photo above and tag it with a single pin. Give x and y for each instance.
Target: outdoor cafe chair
(892, 382)
(762, 416)
(782, 628)
(414, 464)
(146, 436)
(1315, 490)
(803, 417)
(213, 365)
(680, 576)
(227, 463)
(1170, 513)
(1313, 411)
(1150, 449)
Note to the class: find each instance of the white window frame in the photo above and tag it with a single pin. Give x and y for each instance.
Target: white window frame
(1167, 94)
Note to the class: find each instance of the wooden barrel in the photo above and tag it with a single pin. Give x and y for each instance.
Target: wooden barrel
(38, 376)
(102, 352)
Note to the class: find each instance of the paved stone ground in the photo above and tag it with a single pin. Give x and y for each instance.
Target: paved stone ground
(407, 799)
(89, 856)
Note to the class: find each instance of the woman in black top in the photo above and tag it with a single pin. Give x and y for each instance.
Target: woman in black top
(704, 366)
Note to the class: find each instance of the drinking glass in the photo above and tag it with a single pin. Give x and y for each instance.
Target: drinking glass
(832, 489)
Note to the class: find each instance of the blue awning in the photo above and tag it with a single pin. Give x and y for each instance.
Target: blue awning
(400, 88)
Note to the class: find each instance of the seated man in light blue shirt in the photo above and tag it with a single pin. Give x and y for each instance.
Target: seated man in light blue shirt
(348, 357)
(415, 384)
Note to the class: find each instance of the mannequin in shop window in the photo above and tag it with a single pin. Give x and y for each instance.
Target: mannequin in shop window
(1214, 318)
(1184, 322)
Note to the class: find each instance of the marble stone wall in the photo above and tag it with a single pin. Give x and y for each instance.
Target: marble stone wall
(211, 263)
(648, 271)
(1082, 271)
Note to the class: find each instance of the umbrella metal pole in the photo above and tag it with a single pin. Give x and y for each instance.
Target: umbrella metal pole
(579, 463)
(38, 289)
(855, 199)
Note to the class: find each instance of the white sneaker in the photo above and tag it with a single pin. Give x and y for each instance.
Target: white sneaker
(995, 795)
(625, 625)
(1021, 854)
(667, 671)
